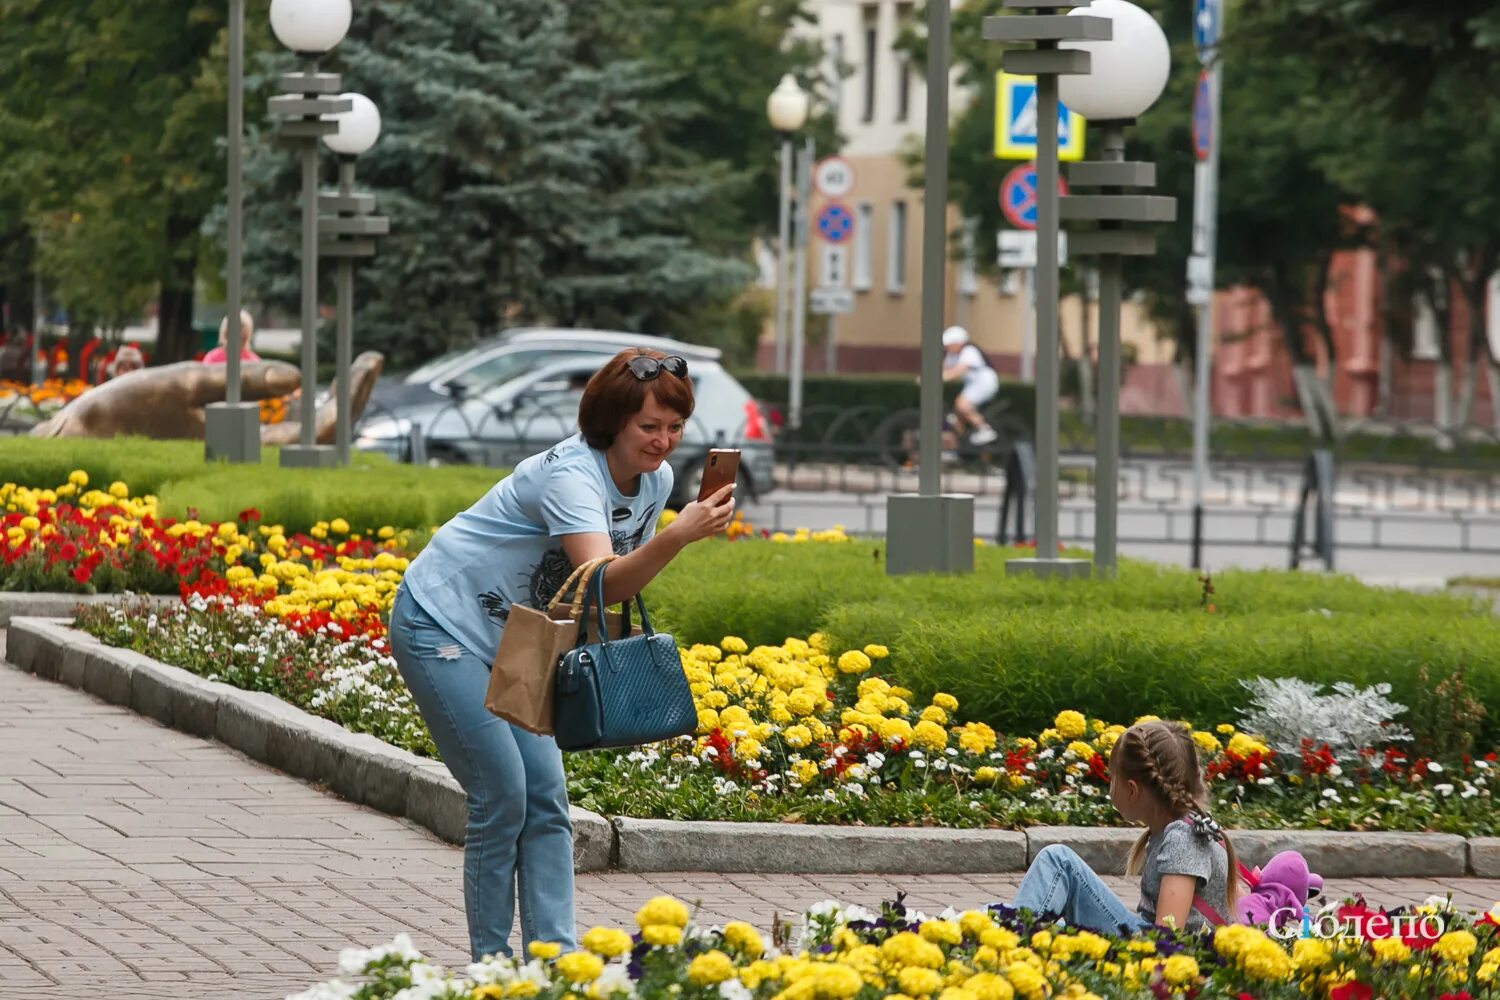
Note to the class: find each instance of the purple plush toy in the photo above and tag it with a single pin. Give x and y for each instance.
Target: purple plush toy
(1279, 890)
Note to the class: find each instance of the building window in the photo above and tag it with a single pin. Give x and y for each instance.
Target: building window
(903, 68)
(836, 75)
(872, 56)
(864, 246)
(896, 250)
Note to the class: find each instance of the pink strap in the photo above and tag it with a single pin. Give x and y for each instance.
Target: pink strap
(1208, 912)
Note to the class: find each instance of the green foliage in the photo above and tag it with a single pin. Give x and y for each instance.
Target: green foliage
(371, 493)
(1015, 651)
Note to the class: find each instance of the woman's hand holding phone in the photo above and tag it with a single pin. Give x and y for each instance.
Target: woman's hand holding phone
(705, 518)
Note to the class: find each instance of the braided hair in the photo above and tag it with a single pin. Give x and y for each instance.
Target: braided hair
(1163, 759)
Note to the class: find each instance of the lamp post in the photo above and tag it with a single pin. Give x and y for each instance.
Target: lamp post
(928, 531)
(309, 28)
(231, 429)
(349, 233)
(1127, 75)
(1047, 62)
(786, 109)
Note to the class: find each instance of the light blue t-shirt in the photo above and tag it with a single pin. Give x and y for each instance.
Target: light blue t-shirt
(507, 548)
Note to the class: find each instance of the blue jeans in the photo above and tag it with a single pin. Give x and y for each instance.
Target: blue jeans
(1059, 881)
(518, 832)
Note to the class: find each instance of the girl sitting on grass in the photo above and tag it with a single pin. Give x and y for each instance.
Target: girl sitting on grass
(1183, 857)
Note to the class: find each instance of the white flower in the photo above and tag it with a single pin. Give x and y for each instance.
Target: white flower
(1434, 767)
(615, 981)
(1331, 794)
(335, 990)
(875, 760)
(1335, 771)
(1483, 765)
(1444, 789)
(1266, 781)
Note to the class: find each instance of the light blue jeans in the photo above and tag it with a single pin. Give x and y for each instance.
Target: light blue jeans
(518, 832)
(1061, 882)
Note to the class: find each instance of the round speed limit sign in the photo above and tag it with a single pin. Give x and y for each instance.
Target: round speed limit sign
(833, 177)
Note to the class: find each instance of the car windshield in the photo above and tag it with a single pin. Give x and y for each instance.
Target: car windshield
(500, 369)
(424, 372)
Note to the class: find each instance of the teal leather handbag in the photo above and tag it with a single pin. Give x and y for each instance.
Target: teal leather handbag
(620, 692)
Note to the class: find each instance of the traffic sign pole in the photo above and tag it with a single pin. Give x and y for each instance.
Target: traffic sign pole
(1208, 24)
(799, 282)
(781, 249)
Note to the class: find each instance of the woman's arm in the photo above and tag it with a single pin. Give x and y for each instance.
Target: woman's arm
(1175, 900)
(629, 574)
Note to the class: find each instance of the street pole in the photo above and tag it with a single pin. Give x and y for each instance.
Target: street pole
(344, 342)
(1107, 469)
(831, 354)
(1028, 328)
(929, 532)
(231, 429)
(1205, 237)
(1047, 388)
(799, 280)
(38, 313)
(781, 247)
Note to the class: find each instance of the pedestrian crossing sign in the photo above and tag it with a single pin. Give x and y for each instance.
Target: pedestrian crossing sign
(1015, 121)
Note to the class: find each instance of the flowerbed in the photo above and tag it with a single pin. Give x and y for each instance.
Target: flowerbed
(847, 953)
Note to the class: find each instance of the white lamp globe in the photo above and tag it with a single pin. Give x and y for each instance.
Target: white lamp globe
(787, 106)
(359, 127)
(310, 26)
(1128, 72)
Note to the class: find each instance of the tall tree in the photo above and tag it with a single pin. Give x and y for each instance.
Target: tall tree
(110, 115)
(520, 165)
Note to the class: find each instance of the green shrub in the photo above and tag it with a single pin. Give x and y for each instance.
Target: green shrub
(141, 463)
(1016, 650)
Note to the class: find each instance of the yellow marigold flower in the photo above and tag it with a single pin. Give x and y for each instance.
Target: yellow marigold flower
(1456, 946)
(733, 644)
(837, 982)
(892, 730)
(1311, 954)
(662, 910)
(805, 771)
(988, 986)
(1224, 729)
(906, 948)
(945, 701)
(986, 775)
(1081, 750)
(929, 736)
(875, 651)
(1206, 742)
(1180, 969)
(30, 523)
(1146, 718)
(606, 941)
(544, 950)
(1027, 981)
(934, 714)
(1268, 962)
(802, 702)
(1049, 735)
(941, 932)
(489, 991)
(710, 968)
(661, 935)
(919, 982)
(708, 721)
(339, 526)
(748, 749)
(522, 988)
(796, 737)
(744, 939)
(580, 966)
(1071, 725)
(78, 478)
(975, 922)
(715, 700)
(853, 662)
(1244, 746)
(118, 490)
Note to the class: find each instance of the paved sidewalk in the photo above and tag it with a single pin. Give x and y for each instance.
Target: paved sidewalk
(160, 865)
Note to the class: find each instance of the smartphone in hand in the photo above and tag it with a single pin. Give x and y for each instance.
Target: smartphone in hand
(720, 468)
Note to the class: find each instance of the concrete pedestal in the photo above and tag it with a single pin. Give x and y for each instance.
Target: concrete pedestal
(232, 432)
(929, 534)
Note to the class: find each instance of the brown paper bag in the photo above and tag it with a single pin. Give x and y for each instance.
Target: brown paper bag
(525, 666)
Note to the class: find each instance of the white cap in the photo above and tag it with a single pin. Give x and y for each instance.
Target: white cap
(954, 336)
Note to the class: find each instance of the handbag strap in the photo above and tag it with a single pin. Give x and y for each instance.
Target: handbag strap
(577, 584)
(1208, 912)
(596, 602)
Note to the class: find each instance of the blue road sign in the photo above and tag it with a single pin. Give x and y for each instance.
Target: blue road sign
(1205, 28)
(1015, 122)
(835, 223)
(1203, 116)
(1018, 196)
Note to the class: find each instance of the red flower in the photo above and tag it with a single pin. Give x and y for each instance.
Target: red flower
(248, 514)
(1351, 991)
(1460, 995)
(82, 574)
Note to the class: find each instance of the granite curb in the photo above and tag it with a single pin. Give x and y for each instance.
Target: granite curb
(58, 605)
(364, 769)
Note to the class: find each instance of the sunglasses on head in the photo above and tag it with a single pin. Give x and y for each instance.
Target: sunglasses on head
(647, 368)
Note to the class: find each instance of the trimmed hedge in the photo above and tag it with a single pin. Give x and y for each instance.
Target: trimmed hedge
(1015, 651)
(370, 493)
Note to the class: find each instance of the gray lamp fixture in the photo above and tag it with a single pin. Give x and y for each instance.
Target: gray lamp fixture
(1127, 74)
(348, 233)
(786, 109)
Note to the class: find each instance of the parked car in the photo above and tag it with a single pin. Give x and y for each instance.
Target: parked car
(537, 405)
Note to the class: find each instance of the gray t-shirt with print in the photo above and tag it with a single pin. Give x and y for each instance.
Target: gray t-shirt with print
(1179, 850)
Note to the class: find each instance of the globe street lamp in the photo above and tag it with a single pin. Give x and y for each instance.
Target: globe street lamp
(787, 109)
(309, 28)
(1127, 74)
(349, 233)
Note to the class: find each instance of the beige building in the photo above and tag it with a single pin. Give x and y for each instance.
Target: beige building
(882, 113)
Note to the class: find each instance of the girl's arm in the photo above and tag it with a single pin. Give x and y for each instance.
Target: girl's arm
(1175, 900)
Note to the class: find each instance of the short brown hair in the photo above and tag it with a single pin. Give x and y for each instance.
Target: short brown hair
(614, 395)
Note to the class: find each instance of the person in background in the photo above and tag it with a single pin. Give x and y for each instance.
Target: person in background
(127, 359)
(220, 355)
(963, 360)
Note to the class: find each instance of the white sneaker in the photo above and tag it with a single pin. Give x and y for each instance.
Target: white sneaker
(985, 435)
